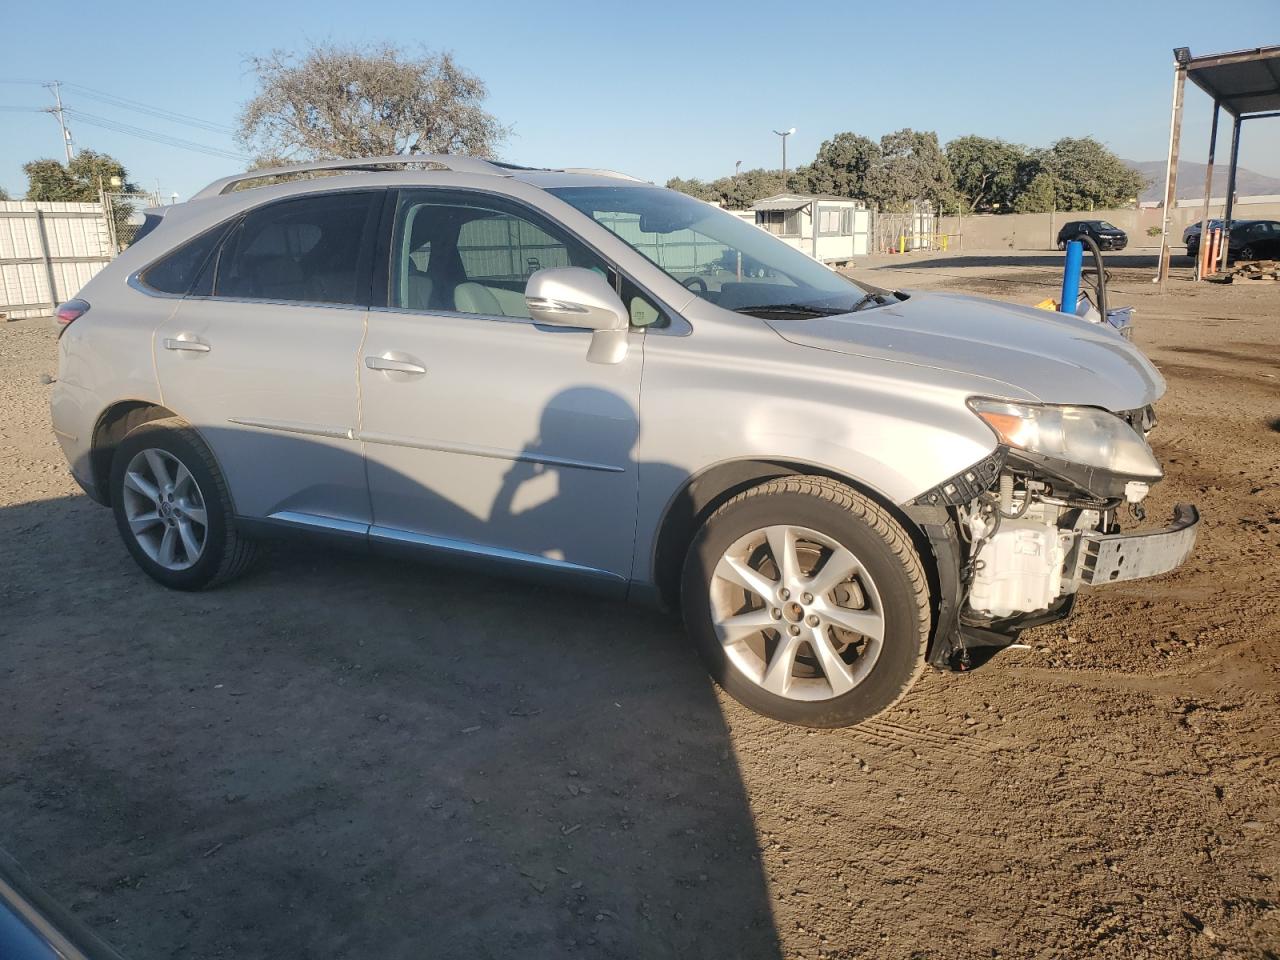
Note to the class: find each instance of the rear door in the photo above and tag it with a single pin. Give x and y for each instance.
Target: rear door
(261, 357)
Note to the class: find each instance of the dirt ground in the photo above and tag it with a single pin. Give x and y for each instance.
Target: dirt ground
(352, 758)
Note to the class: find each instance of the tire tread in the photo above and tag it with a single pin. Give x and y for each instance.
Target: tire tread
(885, 526)
(239, 552)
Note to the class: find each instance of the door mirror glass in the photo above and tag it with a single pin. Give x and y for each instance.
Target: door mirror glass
(580, 298)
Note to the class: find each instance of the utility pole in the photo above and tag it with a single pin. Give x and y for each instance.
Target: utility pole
(1181, 56)
(58, 112)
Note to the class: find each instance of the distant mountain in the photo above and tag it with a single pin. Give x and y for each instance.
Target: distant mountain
(1191, 180)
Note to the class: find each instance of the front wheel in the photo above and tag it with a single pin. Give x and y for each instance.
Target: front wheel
(807, 602)
(1247, 253)
(173, 510)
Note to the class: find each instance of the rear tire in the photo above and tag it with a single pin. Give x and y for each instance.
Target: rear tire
(831, 635)
(173, 509)
(1247, 253)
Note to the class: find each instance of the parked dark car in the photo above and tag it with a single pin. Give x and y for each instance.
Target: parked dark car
(1106, 236)
(1250, 240)
(1191, 235)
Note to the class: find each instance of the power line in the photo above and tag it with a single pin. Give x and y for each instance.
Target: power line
(159, 112)
(154, 136)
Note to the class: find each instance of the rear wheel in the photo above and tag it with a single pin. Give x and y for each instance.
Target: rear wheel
(807, 602)
(173, 510)
(1248, 253)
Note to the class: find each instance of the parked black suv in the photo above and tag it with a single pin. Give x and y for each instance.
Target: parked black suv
(1104, 234)
(1250, 240)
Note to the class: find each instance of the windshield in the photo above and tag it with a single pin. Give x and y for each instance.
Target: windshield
(720, 257)
(1103, 225)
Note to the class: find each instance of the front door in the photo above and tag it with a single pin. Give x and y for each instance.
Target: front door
(484, 433)
(261, 358)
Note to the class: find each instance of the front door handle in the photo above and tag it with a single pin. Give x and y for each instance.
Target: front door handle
(193, 345)
(394, 366)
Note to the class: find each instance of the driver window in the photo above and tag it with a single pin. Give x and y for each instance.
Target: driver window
(459, 253)
(462, 253)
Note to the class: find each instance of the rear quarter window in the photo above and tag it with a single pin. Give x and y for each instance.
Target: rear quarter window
(176, 272)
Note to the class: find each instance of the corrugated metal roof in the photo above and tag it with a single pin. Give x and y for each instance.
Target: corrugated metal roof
(794, 201)
(781, 203)
(1244, 82)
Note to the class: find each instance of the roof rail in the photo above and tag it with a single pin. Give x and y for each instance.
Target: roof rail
(599, 172)
(444, 161)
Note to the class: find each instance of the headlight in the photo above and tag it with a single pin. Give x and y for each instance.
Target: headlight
(1083, 435)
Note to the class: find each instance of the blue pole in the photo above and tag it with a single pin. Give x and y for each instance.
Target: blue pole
(1071, 276)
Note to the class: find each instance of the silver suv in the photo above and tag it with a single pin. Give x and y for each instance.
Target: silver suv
(569, 374)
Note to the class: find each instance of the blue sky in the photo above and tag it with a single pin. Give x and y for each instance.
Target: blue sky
(655, 89)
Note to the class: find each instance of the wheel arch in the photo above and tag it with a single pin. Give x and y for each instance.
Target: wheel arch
(112, 426)
(704, 492)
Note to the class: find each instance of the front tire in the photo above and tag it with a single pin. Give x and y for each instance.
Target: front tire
(173, 510)
(1247, 253)
(807, 602)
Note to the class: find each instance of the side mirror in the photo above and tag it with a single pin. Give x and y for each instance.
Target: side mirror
(580, 298)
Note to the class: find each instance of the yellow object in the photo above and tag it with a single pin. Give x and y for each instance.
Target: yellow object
(1048, 304)
(902, 244)
(944, 243)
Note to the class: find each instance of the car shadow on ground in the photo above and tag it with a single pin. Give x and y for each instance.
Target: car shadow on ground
(348, 756)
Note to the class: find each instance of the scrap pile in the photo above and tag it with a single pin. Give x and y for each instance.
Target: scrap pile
(1250, 270)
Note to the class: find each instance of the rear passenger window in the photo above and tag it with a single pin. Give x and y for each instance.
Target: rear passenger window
(309, 250)
(177, 271)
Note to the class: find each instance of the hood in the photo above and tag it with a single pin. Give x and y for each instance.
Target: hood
(1054, 357)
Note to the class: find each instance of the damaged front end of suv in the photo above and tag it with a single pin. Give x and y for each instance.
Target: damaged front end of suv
(1019, 533)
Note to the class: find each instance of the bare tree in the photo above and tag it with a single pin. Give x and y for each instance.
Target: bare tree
(336, 101)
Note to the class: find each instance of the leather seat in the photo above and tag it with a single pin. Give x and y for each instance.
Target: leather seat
(471, 297)
(418, 289)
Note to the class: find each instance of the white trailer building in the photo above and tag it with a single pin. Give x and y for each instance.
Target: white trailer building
(843, 226)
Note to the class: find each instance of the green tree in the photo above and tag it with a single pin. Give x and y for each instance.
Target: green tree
(4, 194)
(1087, 175)
(78, 181)
(737, 192)
(912, 167)
(741, 191)
(49, 180)
(988, 173)
(352, 101)
(1039, 195)
(693, 187)
(842, 166)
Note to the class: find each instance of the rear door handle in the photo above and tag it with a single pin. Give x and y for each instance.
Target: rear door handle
(395, 366)
(193, 345)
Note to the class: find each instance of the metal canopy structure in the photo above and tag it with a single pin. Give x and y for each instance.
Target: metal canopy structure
(1244, 83)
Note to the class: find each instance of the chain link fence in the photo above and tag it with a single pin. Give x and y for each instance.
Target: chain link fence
(124, 216)
(915, 229)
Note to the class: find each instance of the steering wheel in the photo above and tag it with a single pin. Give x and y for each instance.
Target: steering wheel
(696, 284)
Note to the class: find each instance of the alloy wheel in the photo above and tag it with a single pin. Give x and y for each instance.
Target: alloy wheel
(165, 509)
(797, 612)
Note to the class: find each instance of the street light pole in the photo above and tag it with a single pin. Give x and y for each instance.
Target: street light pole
(784, 134)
